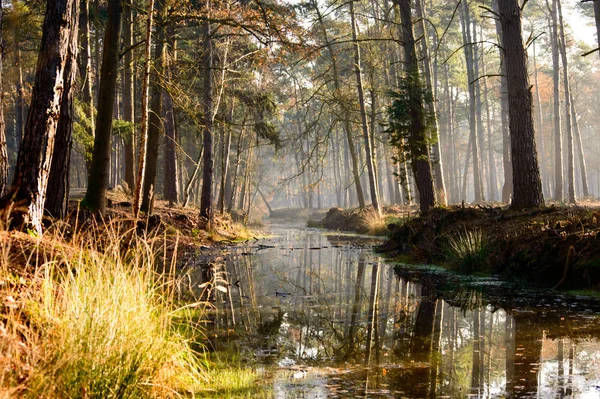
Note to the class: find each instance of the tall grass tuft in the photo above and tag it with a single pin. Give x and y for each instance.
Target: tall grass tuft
(96, 320)
(468, 249)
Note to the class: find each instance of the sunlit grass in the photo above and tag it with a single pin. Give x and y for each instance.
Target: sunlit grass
(92, 319)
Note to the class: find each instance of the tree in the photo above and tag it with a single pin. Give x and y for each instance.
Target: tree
(206, 198)
(3, 144)
(53, 83)
(408, 117)
(95, 196)
(527, 186)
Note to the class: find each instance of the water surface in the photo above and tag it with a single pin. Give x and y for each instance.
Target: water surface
(327, 317)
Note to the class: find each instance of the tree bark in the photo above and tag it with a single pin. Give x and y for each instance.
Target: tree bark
(143, 142)
(507, 188)
(567, 89)
(468, 50)
(95, 197)
(540, 126)
(580, 153)
(128, 94)
(206, 205)
(3, 143)
(363, 115)
(20, 97)
(417, 140)
(558, 160)
(526, 175)
(51, 88)
(436, 159)
(57, 197)
(155, 126)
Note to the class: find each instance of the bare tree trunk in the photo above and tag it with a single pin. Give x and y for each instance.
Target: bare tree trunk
(526, 175)
(567, 89)
(20, 97)
(538, 106)
(363, 115)
(507, 189)
(493, 180)
(206, 206)
(128, 95)
(155, 126)
(95, 197)
(472, 102)
(225, 151)
(3, 144)
(53, 84)
(580, 154)
(558, 160)
(143, 142)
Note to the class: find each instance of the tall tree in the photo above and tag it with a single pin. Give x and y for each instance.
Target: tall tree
(436, 159)
(412, 112)
(567, 90)
(3, 144)
(363, 114)
(128, 91)
(57, 198)
(558, 160)
(527, 186)
(95, 196)
(206, 199)
(155, 126)
(30, 181)
(143, 142)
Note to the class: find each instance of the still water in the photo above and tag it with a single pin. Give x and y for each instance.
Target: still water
(326, 317)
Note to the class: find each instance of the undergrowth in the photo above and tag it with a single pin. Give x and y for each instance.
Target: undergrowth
(92, 317)
(467, 249)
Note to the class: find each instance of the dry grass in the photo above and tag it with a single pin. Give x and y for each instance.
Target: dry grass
(84, 313)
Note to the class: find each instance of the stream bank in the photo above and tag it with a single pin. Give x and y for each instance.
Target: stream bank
(555, 247)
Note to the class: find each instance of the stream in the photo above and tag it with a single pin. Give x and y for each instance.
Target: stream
(324, 316)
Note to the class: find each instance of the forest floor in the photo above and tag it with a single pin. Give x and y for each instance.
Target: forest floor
(557, 246)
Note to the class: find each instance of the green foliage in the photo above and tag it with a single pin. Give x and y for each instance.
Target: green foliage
(468, 249)
(405, 113)
(262, 106)
(82, 129)
(123, 129)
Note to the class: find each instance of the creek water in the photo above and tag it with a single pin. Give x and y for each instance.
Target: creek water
(324, 316)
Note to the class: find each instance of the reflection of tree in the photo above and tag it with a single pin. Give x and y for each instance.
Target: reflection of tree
(354, 316)
(526, 356)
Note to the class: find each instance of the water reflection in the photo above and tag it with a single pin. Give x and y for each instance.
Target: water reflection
(332, 320)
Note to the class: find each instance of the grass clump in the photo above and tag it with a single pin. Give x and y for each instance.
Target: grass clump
(95, 322)
(468, 250)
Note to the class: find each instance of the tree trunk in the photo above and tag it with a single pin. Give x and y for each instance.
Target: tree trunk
(540, 127)
(206, 206)
(95, 197)
(3, 144)
(143, 142)
(344, 110)
(526, 175)
(57, 197)
(468, 50)
(129, 94)
(436, 159)
(171, 185)
(53, 85)
(155, 126)
(507, 189)
(225, 151)
(20, 97)
(580, 154)
(567, 89)
(493, 181)
(597, 19)
(363, 115)
(419, 150)
(558, 160)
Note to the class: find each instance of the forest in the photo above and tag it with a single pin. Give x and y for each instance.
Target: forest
(157, 155)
